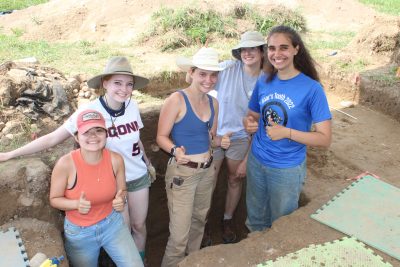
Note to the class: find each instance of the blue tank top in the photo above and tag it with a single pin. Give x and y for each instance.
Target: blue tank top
(191, 132)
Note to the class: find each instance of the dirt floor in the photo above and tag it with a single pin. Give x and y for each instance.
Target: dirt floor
(363, 139)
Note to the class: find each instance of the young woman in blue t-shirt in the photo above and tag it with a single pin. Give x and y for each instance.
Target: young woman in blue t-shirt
(285, 103)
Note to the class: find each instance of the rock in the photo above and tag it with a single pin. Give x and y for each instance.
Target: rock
(73, 83)
(2, 125)
(4, 141)
(18, 75)
(347, 104)
(154, 148)
(25, 200)
(81, 77)
(9, 136)
(32, 60)
(37, 260)
(12, 127)
(7, 91)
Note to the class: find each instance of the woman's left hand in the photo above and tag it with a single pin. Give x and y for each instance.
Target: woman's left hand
(241, 169)
(119, 201)
(226, 140)
(276, 131)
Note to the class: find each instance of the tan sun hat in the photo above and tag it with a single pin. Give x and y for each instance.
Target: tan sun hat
(248, 39)
(118, 65)
(206, 58)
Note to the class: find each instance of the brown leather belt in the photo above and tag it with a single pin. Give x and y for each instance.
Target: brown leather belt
(201, 165)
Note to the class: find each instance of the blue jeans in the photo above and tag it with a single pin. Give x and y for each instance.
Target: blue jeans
(271, 192)
(83, 244)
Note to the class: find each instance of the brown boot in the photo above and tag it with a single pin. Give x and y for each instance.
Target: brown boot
(228, 234)
(206, 241)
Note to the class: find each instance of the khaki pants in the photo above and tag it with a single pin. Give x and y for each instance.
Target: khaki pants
(189, 193)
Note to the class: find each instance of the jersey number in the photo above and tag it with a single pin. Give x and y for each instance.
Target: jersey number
(135, 149)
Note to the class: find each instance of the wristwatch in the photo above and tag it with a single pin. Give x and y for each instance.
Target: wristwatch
(173, 151)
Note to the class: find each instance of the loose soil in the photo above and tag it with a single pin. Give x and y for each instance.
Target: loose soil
(365, 141)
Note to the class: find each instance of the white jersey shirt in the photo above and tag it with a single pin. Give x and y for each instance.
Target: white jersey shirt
(122, 138)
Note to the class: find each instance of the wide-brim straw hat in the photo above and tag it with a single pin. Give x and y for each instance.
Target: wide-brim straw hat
(206, 58)
(248, 39)
(118, 65)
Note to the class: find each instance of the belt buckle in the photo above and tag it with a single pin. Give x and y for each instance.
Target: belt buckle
(208, 163)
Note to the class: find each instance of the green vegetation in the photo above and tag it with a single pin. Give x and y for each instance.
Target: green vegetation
(68, 57)
(386, 6)
(6, 5)
(189, 26)
(387, 78)
(276, 16)
(322, 43)
(352, 65)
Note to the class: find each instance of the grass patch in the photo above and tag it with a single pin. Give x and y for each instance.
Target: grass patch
(334, 40)
(352, 65)
(391, 7)
(188, 26)
(322, 44)
(276, 16)
(6, 5)
(387, 79)
(70, 58)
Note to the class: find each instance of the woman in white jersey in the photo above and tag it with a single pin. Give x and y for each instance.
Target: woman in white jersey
(123, 123)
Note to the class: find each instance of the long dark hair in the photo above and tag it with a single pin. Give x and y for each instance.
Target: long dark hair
(302, 61)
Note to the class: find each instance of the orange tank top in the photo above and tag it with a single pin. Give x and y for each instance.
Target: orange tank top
(99, 184)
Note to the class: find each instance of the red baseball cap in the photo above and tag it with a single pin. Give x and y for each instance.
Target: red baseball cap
(89, 119)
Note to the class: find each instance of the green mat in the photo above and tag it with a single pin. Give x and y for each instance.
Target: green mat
(369, 210)
(345, 253)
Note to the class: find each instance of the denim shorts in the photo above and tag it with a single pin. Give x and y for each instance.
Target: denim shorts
(138, 184)
(83, 243)
(236, 151)
(271, 192)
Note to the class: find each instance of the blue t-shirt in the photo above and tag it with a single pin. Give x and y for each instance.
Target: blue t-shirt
(294, 103)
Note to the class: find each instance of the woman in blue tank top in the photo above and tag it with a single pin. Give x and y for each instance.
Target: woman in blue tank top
(284, 105)
(189, 116)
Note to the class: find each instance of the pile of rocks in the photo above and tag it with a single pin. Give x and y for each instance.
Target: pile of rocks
(39, 94)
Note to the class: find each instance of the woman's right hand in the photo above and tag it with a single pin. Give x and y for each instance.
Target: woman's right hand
(250, 124)
(83, 204)
(4, 156)
(180, 155)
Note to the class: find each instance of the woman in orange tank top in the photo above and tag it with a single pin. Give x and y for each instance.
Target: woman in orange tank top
(89, 185)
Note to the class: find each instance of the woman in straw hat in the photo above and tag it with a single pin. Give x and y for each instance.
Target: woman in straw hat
(233, 91)
(89, 185)
(285, 103)
(123, 123)
(190, 117)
